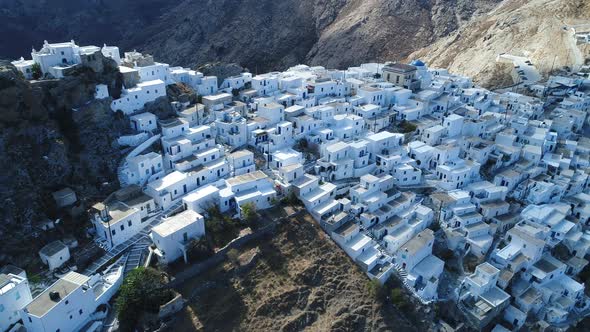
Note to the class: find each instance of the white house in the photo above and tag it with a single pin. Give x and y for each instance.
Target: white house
(274, 112)
(64, 197)
(256, 188)
(144, 168)
(69, 303)
(172, 236)
(144, 122)
(101, 91)
(25, 67)
(121, 216)
(14, 296)
(241, 162)
(111, 52)
(423, 268)
(170, 188)
(54, 254)
(480, 297)
(285, 157)
(203, 198)
(135, 98)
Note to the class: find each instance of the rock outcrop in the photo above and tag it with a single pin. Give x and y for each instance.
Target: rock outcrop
(53, 134)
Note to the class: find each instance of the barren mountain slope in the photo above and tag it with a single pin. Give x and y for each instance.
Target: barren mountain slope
(369, 30)
(533, 28)
(258, 34)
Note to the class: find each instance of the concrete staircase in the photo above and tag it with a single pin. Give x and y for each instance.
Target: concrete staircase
(123, 179)
(152, 221)
(403, 274)
(137, 253)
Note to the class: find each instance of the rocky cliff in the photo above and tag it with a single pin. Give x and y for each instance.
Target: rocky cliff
(53, 134)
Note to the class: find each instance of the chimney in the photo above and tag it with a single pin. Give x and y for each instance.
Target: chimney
(54, 296)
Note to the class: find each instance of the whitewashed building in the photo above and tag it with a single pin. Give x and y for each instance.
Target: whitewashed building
(172, 236)
(14, 296)
(134, 99)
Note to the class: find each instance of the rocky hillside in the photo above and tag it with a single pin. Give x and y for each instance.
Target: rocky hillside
(532, 28)
(53, 134)
(295, 280)
(259, 34)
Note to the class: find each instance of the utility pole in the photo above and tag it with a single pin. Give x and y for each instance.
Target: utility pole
(110, 232)
(553, 64)
(268, 151)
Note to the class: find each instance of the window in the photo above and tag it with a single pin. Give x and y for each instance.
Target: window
(80, 311)
(1, 308)
(129, 223)
(113, 231)
(122, 228)
(67, 302)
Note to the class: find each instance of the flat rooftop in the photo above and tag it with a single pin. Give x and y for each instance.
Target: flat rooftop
(418, 242)
(245, 178)
(177, 222)
(346, 229)
(52, 248)
(67, 284)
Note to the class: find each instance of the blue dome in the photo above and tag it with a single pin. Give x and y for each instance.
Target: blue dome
(417, 63)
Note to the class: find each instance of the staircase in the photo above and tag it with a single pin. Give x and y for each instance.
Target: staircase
(136, 253)
(403, 274)
(153, 220)
(123, 179)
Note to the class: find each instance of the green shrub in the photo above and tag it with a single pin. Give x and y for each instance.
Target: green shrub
(407, 127)
(142, 291)
(398, 298)
(233, 255)
(376, 290)
(249, 212)
(199, 249)
(36, 71)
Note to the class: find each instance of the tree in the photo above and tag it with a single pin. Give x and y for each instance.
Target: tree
(36, 71)
(407, 127)
(220, 228)
(142, 291)
(399, 300)
(376, 290)
(233, 255)
(301, 144)
(199, 249)
(291, 199)
(249, 212)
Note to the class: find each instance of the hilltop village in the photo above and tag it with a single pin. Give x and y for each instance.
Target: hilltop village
(466, 195)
